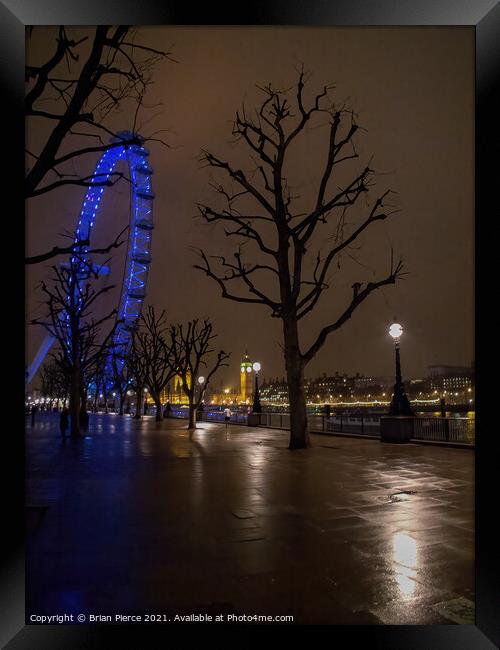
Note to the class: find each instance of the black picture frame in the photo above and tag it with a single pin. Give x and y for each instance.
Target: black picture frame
(484, 17)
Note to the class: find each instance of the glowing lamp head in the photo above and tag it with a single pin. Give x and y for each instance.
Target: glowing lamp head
(201, 380)
(395, 330)
(256, 366)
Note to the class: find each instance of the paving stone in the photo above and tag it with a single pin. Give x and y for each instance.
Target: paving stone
(144, 516)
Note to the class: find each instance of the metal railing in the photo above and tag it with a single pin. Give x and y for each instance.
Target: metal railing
(434, 429)
(368, 425)
(437, 429)
(211, 415)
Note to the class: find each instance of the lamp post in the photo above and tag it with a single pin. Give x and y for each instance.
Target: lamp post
(400, 404)
(201, 381)
(145, 409)
(256, 408)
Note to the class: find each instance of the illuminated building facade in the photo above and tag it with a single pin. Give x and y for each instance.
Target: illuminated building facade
(174, 392)
(451, 378)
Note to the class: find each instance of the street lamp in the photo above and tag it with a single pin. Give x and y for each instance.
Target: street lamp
(201, 381)
(256, 408)
(400, 404)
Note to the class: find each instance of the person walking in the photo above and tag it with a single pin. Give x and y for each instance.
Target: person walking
(227, 415)
(64, 421)
(34, 409)
(168, 411)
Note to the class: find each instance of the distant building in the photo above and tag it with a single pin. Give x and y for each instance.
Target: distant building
(450, 378)
(341, 387)
(381, 382)
(174, 393)
(243, 395)
(246, 379)
(443, 370)
(274, 391)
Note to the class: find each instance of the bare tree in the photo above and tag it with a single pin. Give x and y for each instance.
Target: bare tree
(121, 376)
(75, 247)
(191, 348)
(261, 211)
(52, 382)
(71, 99)
(156, 351)
(70, 302)
(136, 365)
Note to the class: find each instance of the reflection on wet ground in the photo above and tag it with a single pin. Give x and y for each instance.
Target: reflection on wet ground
(143, 516)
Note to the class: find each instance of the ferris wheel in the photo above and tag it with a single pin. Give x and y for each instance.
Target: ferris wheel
(138, 260)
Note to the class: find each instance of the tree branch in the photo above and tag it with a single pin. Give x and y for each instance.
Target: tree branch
(357, 298)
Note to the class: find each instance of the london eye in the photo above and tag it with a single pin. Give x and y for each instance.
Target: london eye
(138, 258)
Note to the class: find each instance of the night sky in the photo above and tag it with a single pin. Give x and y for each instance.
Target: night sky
(413, 92)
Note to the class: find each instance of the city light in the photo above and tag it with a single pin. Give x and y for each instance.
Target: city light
(201, 380)
(395, 330)
(256, 366)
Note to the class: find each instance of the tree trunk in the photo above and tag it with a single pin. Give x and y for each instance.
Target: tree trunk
(159, 416)
(138, 402)
(83, 399)
(299, 433)
(74, 401)
(122, 401)
(192, 412)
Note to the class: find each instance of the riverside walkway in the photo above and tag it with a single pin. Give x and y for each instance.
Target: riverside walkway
(142, 517)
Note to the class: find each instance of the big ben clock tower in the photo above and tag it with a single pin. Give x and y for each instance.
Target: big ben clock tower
(246, 378)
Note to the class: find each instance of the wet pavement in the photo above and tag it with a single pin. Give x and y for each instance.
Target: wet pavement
(140, 517)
